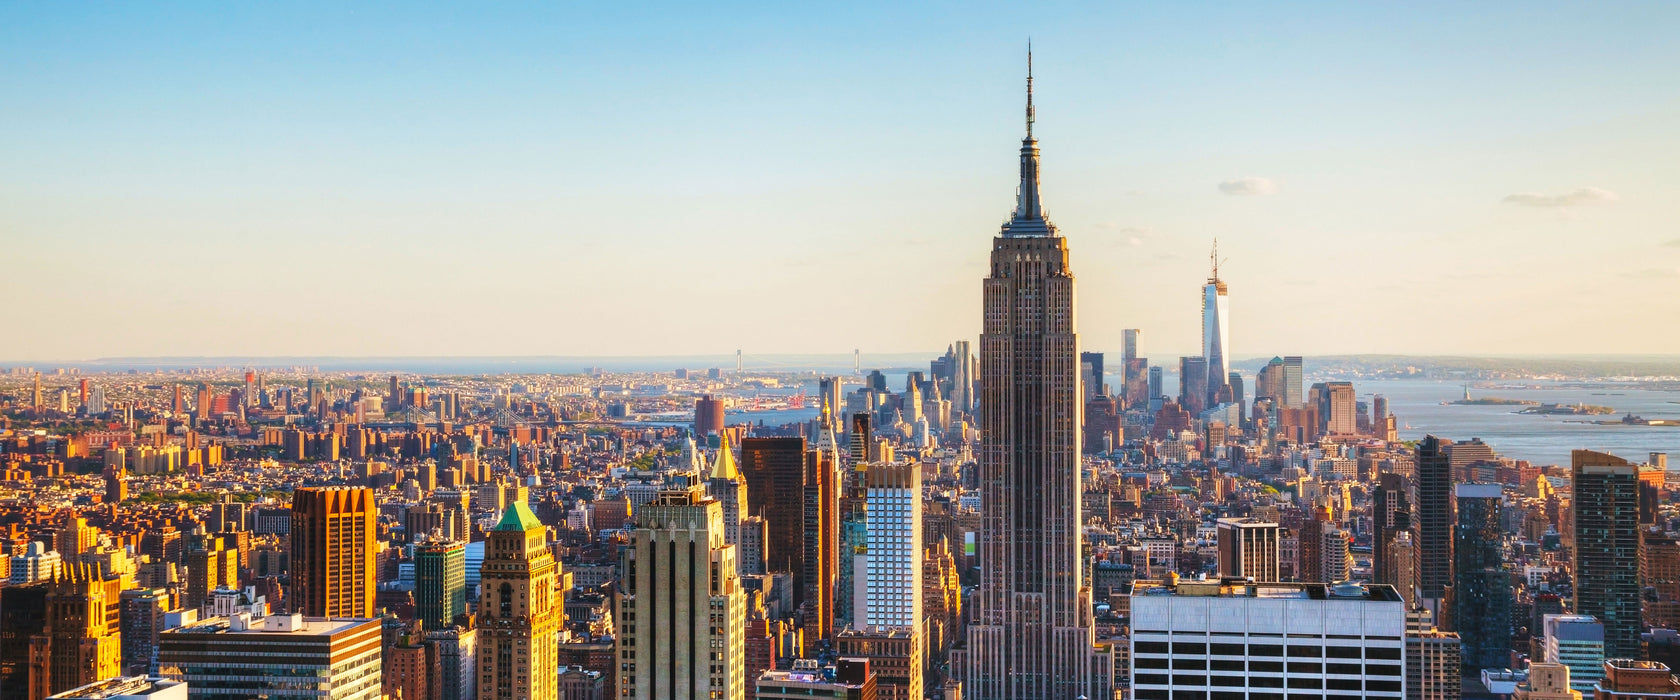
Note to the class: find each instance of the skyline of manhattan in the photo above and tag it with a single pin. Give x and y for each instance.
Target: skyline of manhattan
(519, 353)
(325, 251)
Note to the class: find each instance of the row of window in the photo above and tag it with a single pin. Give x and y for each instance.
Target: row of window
(1292, 682)
(1239, 695)
(1314, 667)
(1306, 651)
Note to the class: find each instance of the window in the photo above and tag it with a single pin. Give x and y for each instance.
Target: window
(1265, 666)
(1382, 653)
(1302, 650)
(1226, 649)
(1189, 648)
(1151, 647)
(1265, 650)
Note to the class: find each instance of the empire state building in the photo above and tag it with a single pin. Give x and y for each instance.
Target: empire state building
(1032, 637)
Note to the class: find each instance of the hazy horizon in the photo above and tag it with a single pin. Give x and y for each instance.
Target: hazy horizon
(319, 180)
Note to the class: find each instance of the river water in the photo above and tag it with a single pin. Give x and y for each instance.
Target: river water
(1419, 407)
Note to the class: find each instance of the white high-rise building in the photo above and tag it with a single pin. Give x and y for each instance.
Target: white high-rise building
(1216, 331)
(1268, 640)
(1576, 641)
(37, 563)
(893, 570)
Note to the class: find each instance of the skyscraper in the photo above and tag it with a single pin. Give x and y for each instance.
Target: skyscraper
(1482, 585)
(1248, 548)
(1091, 375)
(892, 595)
(821, 541)
(682, 631)
(440, 582)
(332, 567)
(774, 469)
(1292, 381)
(1129, 343)
(520, 611)
(83, 634)
(1318, 640)
(1391, 514)
(1032, 635)
(726, 486)
(1192, 384)
(1432, 497)
(1216, 331)
(245, 657)
(1606, 561)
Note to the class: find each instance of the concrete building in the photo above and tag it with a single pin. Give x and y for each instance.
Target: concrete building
(1248, 548)
(729, 489)
(452, 653)
(1547, 681)
(848, 679)
(893, 563)
(332, 561)
(895, 658)
(127, 688)
(244, 657)
(682, 616)
(36, 563)
(521, 611)
(1434, 665)
(82, 642)
(1632, 679)
(1266, 639)
(1576, 641)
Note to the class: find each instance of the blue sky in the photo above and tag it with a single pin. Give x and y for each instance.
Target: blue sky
(528, 179)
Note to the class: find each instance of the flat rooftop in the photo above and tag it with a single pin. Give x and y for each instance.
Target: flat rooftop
(1243, 588)
(119, 687)
(274, 625)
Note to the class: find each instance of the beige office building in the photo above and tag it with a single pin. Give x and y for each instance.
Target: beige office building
(682, 616)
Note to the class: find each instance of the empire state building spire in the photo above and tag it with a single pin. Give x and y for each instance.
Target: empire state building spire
(1031, 635)
(1028, 219)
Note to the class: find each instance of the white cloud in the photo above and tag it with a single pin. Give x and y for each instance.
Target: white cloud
(1250, 185)
(1584, 195)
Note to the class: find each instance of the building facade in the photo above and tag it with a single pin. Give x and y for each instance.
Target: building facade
(1032, 635)
(1606, 553)
(521, 611)
(440, 582)
(281, 655)
(332, 561)
(682, 615)
(1248, 548)
(1268, 640)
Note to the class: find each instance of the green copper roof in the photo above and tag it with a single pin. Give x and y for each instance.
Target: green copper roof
(519, 518)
